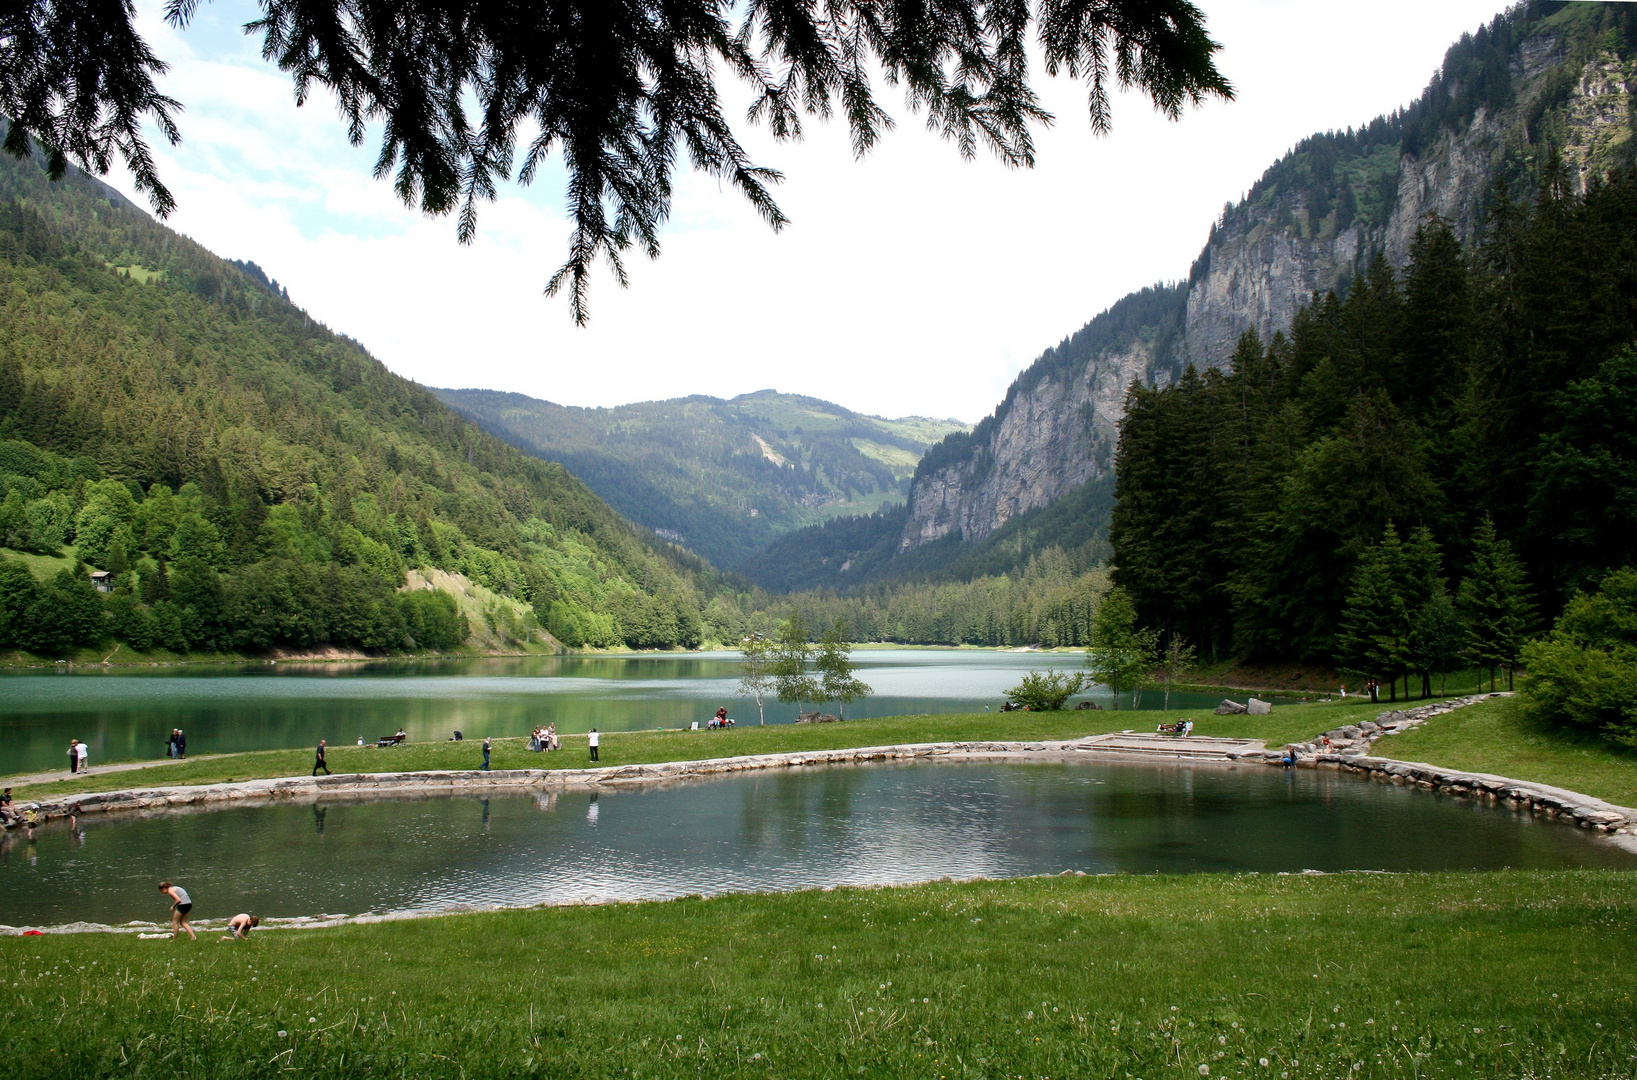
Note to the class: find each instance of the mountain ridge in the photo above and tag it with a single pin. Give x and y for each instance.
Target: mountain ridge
(721, 476)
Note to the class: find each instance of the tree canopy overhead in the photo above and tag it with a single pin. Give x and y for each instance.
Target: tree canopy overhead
(469, 95)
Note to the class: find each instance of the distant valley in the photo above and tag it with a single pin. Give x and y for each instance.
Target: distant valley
(721, 478)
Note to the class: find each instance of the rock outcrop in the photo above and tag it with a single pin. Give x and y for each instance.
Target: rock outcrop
(1313, 222)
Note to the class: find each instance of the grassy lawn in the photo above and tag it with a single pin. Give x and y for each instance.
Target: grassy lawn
(41, 566)
(1457, 975)
(640, 747)
(1495, 737)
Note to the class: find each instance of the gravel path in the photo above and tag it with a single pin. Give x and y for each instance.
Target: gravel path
(95, 770)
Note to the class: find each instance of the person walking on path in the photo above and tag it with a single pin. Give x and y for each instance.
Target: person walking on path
(318, 760)
(181, 743)
(486, 748)
(240, 925)
(84, 751)
(592, 739)
(181, 904)
(73, 755)
(170, 744)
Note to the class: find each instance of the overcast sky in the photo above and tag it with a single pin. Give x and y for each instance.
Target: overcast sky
(909, 283)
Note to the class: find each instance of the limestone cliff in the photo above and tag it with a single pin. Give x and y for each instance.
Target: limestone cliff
(1542, 77)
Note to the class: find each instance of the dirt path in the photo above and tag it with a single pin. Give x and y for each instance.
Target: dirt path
(23, 779)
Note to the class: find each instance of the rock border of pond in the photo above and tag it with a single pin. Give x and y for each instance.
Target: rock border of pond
(1345, 749)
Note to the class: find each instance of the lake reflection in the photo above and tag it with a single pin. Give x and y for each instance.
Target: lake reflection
(844, 825)
(126, 714)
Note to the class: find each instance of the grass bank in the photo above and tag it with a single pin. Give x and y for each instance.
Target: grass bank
(645, 747)
(1496, 737)
(1423, 976)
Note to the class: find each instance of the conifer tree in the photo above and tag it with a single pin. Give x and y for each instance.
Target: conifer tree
(1495, 604)
(1375, 624)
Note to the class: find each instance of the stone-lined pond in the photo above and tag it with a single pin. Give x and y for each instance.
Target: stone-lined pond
(775, 830)
(127, 714)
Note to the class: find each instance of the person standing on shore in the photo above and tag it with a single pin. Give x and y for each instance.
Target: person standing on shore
(181, 743)
(593, 740)
(73, 755)
(84, 751)
(318, 760)
(181, 904)
(486, 747)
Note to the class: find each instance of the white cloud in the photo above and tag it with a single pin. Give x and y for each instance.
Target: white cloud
(910, 282)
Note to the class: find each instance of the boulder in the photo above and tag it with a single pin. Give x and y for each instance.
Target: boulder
(815, 718)
(1258, 707)
(1089, 705)
(1230, 708)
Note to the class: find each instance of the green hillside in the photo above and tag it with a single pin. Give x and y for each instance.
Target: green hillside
(253, 480)
(720, 477)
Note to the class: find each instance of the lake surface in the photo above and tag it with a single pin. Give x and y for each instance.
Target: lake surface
(127, 714)
(774, 830)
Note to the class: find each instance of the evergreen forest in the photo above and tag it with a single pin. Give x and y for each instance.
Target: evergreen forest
(1422, 473)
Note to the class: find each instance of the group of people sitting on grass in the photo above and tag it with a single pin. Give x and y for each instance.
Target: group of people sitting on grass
(720, 719)
(545, 738)
(1181, 729)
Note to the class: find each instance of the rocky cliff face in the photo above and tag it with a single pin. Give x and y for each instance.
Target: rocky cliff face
(1055, 436)
(1311, 224)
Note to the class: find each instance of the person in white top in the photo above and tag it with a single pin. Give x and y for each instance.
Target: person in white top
(592, 739)
(84, 753)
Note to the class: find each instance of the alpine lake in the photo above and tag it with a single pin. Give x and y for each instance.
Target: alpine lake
(764, 830)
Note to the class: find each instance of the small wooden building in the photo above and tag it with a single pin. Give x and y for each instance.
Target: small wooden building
(103, 580)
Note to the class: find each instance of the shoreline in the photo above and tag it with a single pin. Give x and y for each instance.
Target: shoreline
(1617, 822)
(1614, 824)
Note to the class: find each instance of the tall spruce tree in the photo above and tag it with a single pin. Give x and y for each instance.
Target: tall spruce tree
(1376, 623)
(1495, 604)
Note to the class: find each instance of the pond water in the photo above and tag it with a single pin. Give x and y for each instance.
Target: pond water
(127, 714)
(775, 830)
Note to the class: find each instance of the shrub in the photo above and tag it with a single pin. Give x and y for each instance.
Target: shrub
(1584, 675)
(1045, 691)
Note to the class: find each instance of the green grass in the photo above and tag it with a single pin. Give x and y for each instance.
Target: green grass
(1496, 737)
(41, 566)
(641, 747)
(1416, 976)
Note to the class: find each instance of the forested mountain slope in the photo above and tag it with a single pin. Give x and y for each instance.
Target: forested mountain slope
(1545, 76)
(720, 477)
(252, 479)
(1456, 440)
